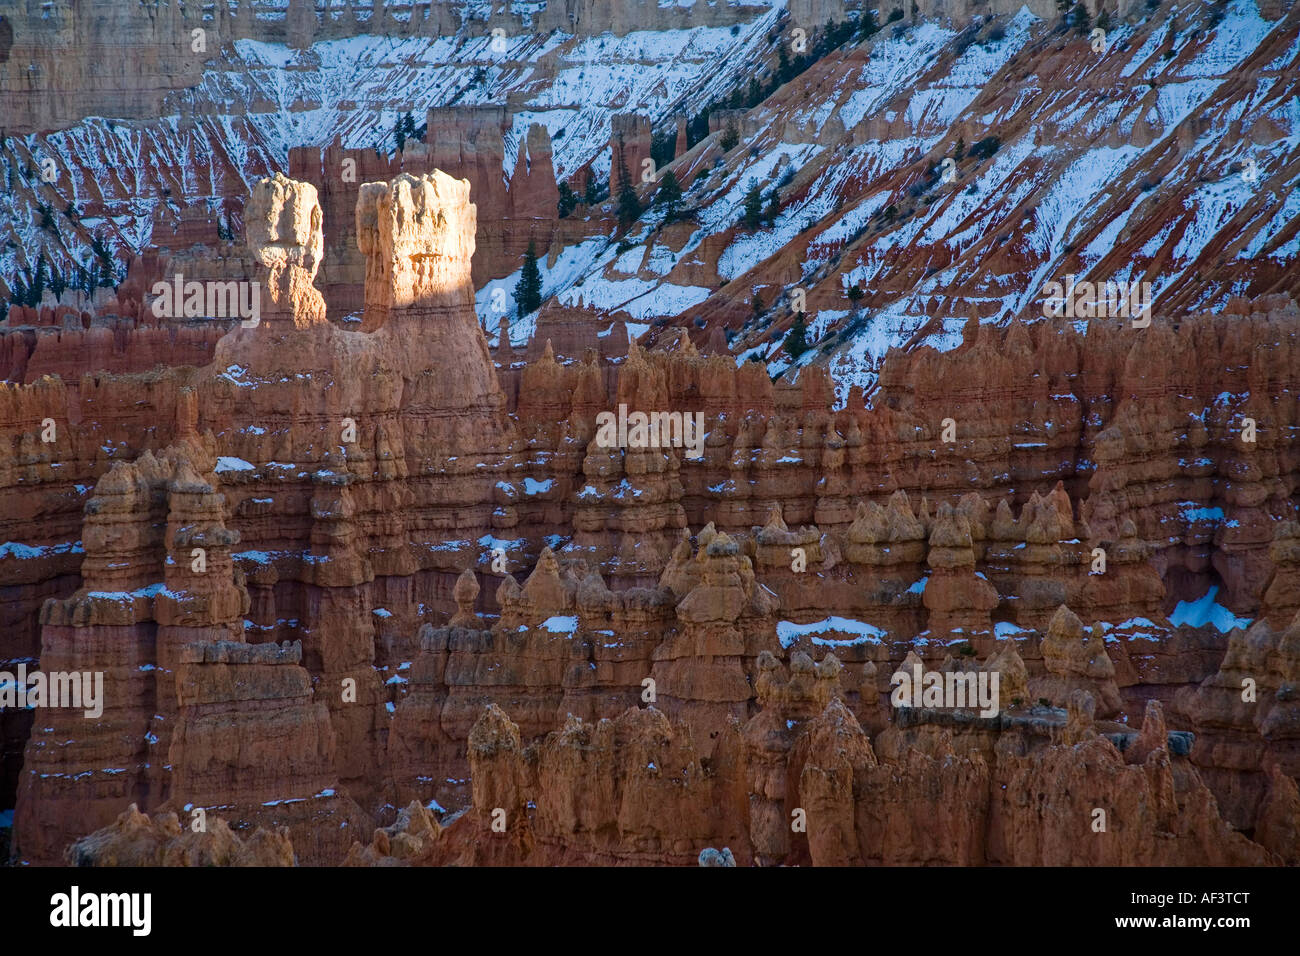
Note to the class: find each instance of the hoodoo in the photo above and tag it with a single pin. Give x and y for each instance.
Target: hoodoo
(643, 435)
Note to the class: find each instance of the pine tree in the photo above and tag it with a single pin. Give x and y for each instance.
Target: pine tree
(404, 130)
(100, 249)
(773, 208)
(528, 293)
(629, 206)
(37, 287)
(697, 128)
(730, 137)
(1079, 17)
(796, 340)
(867, 25)
(753, 207)
(568, 200)
(669, 196)
(783, 69)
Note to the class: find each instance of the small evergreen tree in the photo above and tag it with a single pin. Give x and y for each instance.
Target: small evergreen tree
(629, 206)
(867, 24)
(854, 293)
(663, 147)
(1079, 20)
(796, 340)
(784, 70)
(697, 128)
(755, 94)
(753, 208)
(568, 200)
(37, 288)
(98, 247)
(773, 208)
(730, 137)
(528, 293)
(669, 196)
(986, 147)
(405, 130)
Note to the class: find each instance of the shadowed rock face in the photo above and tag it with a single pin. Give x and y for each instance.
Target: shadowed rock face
(375, 498)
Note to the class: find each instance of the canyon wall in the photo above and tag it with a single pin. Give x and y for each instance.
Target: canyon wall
(433, 530)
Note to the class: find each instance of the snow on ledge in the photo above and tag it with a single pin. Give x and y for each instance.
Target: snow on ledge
(1207, 611)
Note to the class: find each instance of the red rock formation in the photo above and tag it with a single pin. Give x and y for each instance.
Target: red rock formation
(629, 141)
(1075, 659)
(252, 740)
(283, 223)
(135, 839)
(364, 471)
(126, 622)
(1245, 718)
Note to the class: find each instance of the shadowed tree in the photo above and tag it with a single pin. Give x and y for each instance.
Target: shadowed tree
(669, 196)
(528, 293)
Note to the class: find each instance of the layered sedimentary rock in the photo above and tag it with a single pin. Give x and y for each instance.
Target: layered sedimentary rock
(151, 526)
(444, 537)
(254, 744)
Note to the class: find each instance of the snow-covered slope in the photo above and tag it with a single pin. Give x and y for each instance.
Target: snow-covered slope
(1167, 153)
(239, 122)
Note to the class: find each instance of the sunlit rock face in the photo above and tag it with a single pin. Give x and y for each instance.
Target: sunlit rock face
(284, 236)
(417, 234)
